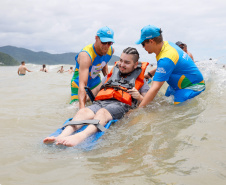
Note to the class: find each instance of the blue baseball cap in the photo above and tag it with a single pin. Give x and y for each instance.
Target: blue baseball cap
(148, 32)
(106, 34)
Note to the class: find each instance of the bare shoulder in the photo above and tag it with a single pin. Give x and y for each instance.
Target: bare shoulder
(84, 59)
(83, 56)
(190, 55)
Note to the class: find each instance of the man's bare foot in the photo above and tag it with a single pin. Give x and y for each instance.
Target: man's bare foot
(72, 140)
(49, 140)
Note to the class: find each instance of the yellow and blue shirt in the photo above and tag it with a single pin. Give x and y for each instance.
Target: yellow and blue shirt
(178, 69)
(98, 62)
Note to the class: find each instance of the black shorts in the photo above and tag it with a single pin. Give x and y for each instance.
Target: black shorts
(116, 108)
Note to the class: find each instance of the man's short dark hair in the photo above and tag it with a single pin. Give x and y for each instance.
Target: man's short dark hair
(132, 51)
(158, 39)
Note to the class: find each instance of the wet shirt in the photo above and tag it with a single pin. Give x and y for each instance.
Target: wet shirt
(177, 68)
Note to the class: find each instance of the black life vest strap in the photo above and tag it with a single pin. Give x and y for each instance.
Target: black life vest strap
(115, 87)
(115, 81)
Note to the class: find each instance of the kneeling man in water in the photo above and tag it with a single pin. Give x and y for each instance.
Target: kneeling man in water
(173, 66)
(123, 88)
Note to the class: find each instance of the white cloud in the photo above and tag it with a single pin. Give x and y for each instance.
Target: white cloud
(63, 26)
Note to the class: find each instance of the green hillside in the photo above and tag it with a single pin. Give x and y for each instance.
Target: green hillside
(6, 60)
(22, 54)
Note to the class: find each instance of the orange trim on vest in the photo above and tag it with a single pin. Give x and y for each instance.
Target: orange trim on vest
(121, 95)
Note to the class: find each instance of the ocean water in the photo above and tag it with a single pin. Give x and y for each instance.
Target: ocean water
(160, 144)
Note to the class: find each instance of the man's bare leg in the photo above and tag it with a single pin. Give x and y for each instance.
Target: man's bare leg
(82, 114)
(103, 115)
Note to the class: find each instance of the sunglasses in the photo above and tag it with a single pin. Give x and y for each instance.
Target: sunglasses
(144, 42)
(108, 43)
(182, 47)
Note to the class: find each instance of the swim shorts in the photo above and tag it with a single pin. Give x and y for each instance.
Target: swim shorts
(182, 95)
(116, 108)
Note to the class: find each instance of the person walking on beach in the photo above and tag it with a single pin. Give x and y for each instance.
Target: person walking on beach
(61, 70)
(43, 69)
(173, 66)
(90, 61)
(123, 88)
(22, 69)
(183, 46)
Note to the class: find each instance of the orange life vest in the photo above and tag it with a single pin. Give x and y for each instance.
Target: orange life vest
(116, 87)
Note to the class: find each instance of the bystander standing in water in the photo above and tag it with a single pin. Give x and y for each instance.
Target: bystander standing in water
(22, 69)
(183, 46)
(61, 70)
(70, 70)
(43, 69)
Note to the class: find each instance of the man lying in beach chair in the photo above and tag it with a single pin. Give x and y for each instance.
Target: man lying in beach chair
(123, 88)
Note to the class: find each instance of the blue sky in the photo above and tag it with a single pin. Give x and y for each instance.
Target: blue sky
(58, 26)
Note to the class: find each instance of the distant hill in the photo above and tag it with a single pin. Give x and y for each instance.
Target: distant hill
(6, 60)
(22, 54)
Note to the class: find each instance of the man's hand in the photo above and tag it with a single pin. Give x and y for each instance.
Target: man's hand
(135, 94)
(150, 74)
(146, 77)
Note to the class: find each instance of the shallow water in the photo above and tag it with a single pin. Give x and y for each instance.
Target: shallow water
(160, 144)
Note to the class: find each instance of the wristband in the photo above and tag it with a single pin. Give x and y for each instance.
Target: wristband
(150, 74)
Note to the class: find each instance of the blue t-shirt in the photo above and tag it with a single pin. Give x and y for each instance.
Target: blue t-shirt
(177, 68)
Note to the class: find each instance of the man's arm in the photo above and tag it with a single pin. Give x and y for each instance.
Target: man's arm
(97, 89)
(135, 94)
(27, 69)
(151, 93)
(84, 64)
(139, 95)
(152, 72)
(105, 70)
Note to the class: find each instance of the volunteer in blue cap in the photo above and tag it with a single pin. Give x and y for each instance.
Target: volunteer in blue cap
(90, 61)
(173, 66)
